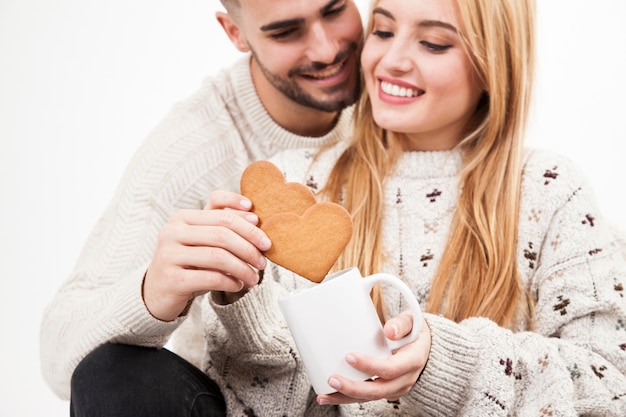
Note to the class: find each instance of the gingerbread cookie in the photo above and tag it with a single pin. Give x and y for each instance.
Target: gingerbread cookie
(265, 185)
(307, 236)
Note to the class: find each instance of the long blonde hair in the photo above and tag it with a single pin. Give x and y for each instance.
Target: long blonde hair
(477, 274)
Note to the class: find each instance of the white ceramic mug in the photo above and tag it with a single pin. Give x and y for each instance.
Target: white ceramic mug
(337, 316)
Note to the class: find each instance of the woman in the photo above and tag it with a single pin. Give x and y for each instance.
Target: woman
(520, 277)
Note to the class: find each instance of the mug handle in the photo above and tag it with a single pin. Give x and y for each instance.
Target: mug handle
(408, 295)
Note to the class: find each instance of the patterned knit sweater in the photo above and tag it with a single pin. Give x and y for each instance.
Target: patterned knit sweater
(573, 362)
(203, 144)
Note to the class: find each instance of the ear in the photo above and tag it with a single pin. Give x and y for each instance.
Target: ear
(232, 31)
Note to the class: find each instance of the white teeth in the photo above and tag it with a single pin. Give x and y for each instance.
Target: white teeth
(396, 90)
(327, 73)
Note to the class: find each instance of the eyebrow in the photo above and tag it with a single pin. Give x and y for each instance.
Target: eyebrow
(423, 23)
(297, 21)
(437, 23)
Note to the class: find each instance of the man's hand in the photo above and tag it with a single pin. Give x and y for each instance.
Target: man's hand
(215, 249)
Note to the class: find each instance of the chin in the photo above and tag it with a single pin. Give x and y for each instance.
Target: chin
(391, 122)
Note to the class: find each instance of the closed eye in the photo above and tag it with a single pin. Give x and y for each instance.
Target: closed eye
(336, 11)
(283, 34)
(435, 47)
(382, 34)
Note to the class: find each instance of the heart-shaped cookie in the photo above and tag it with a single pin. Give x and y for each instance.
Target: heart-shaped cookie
(307, 236)
(309, 245)
(265, 185)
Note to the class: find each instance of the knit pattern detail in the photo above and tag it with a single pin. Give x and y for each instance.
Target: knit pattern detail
(202, 145)
(573, 363)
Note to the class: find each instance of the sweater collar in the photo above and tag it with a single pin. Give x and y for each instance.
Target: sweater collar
(429, 164)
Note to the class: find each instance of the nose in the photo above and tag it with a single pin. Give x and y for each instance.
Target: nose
(323, 44)
(397, 58)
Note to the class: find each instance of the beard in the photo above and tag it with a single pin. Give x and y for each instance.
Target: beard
(344, 95)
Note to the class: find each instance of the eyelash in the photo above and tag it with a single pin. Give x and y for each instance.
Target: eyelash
(336, 11)
(429, 45)
(382, 34)
(435, 47)
(282, 35)
(329, 14)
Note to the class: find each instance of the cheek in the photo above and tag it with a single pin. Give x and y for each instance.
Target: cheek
(352, 26)
(468, 91)
(290, 57)
(369, 58)
(368, 73)
(452, 81)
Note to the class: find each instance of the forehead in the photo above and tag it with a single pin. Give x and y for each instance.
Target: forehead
(421, 10)
(261, 13)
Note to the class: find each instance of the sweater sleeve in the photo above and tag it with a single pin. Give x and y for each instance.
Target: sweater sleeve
(101, 300)
(573, 362)
(253, 356)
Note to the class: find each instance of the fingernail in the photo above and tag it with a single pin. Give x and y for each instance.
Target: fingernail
(265, 243)
(395, 330)
(246, 204)
(252, 218)
(262, 263)
(334, 383)
(323, 401)
(350, 359)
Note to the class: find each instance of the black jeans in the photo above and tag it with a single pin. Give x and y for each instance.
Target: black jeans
(132, 381)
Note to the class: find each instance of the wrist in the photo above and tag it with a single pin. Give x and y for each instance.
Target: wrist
(186, 309)
(160, 310)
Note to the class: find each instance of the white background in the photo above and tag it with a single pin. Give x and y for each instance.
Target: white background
(83, 82)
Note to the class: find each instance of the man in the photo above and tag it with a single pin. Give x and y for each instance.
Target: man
(155, 249)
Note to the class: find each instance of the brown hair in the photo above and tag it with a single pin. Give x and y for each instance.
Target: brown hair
(233, 7)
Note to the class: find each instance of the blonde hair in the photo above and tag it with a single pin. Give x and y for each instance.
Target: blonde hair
(477, 274)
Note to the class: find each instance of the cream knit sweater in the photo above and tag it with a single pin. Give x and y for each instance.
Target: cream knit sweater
(573, 363)
(202, 145)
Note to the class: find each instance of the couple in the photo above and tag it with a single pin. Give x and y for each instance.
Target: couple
(520, 277)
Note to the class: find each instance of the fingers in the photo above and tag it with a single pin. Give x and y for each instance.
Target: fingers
(219, 228)
(214, 240)
(168, 294)
(399, 326)
(395, 376)
(407, 360)
(197, 251)
(221, 199)
(390, 388)
(192, 279)
(361, 391)
(239, 263)
(229, 200)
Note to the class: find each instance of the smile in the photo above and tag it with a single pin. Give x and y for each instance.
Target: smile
(397, 91)
(327, 72)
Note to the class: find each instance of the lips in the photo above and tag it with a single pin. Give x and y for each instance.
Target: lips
(328, 72)
(399, 91)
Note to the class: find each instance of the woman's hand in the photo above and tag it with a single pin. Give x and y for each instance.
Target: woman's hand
(197, 251)
(396, 375)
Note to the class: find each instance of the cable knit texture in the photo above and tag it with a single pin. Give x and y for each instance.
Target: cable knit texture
(574, 363)
(203, 144)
